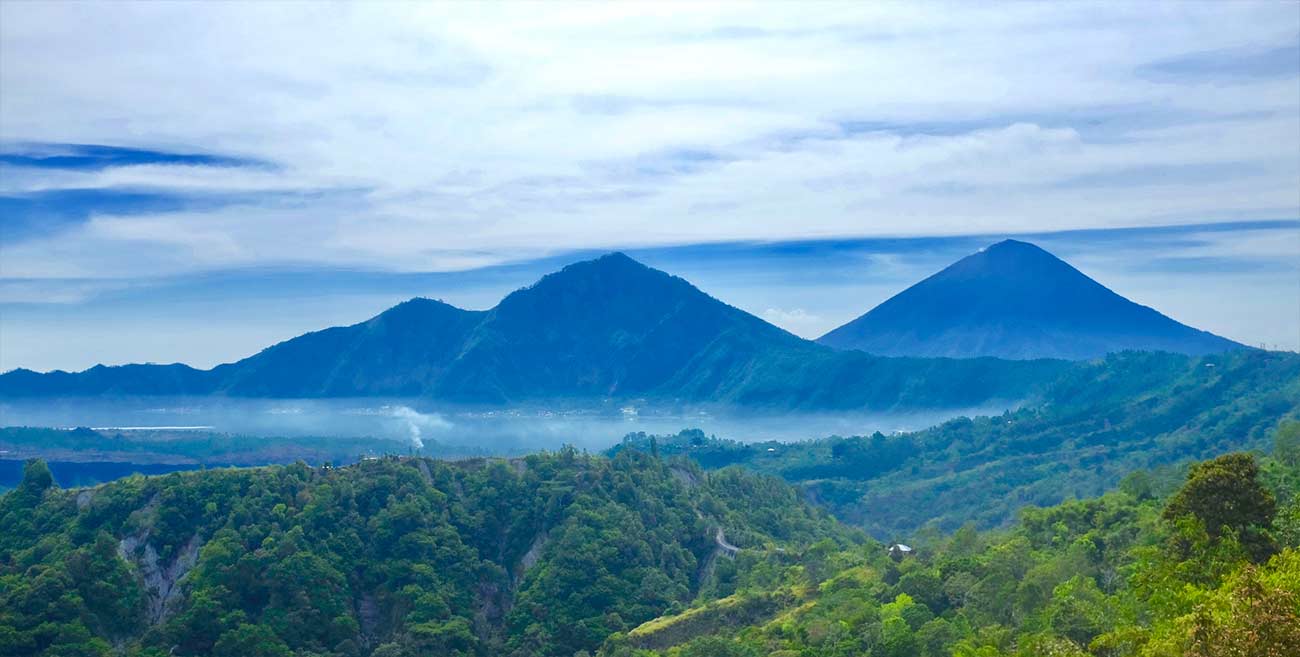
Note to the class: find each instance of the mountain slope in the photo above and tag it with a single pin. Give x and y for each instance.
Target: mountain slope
(605, 327)
(539, 557)
(609, 328)
(399, 352)
(1128, 573)
(1099, 421)
(1015, 300)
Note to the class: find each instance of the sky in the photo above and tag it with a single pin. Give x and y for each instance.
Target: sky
(195, 182)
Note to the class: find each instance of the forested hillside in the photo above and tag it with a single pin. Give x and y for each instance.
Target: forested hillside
(1104, 419)
(567, 554)
(636, 555)
(1210, 570)
(546, 555)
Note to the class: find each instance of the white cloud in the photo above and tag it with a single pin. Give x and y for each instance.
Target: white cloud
(503, 131)
(417, 137)
(797, 321)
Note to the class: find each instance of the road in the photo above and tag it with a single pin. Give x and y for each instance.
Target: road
(721, 539)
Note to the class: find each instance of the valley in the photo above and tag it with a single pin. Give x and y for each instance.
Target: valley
(649, 329)
(635, 555)
(613, 463)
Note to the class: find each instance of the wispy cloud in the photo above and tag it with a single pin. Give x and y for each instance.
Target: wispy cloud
(795, 320)
(1236, 279)
(511, 131)
(96, 157)
(1231, 66)
(192, 139)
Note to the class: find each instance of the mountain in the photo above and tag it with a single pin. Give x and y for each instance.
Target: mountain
(397, 352)
(609, 328)
(1015, 300)
(605, 327)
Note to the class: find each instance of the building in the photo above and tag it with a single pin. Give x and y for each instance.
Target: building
(897, 551)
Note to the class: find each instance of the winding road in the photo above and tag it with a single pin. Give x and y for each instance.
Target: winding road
(721, 539)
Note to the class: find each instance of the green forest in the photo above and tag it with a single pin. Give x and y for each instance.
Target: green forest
(1209, 570)
(1107, 418)
(637, 554)
(545, 555)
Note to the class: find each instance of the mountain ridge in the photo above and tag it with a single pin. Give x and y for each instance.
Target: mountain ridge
(596, 331)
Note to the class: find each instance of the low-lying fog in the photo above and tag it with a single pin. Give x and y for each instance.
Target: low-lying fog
(500, 430)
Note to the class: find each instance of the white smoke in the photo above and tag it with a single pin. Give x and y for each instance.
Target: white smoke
(416, 422)
(404, 419)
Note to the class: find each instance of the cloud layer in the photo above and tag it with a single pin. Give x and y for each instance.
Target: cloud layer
(431, 137)
(146, 142)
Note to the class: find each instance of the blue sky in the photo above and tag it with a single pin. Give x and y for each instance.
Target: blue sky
(193, 182)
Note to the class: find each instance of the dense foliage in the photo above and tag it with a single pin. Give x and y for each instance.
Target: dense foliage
(545, 555)
(1107, 418)
(636, 555)
(1211, 571)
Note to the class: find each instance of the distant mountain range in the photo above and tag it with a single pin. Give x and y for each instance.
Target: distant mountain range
(1015, 300)
(613, 329)
(609, 327)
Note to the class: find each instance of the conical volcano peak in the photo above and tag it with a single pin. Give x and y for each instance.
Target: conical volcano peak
(1010, 245)
(1015, 300)
(1017, 250)
(1011, 258)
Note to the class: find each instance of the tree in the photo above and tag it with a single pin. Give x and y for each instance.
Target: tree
(389, 650)
(897, 638)
(249, 640)
(965, 541)
(924, 586)
(1139, 485)
(715, 647)
(1286, 443)
(936, 637)
(1287, 523)
(1254, 615)
(1078, 610)
(1226, 496)
(36, 477)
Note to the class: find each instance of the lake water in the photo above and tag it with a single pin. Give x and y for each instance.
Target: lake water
(496, 430)
(68, 474)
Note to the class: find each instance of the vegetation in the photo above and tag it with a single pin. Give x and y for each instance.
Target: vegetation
(546, 555)
(1107, 418)
(1211, 571)
(631, 556)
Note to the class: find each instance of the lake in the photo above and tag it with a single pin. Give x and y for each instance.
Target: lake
(506, 430)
